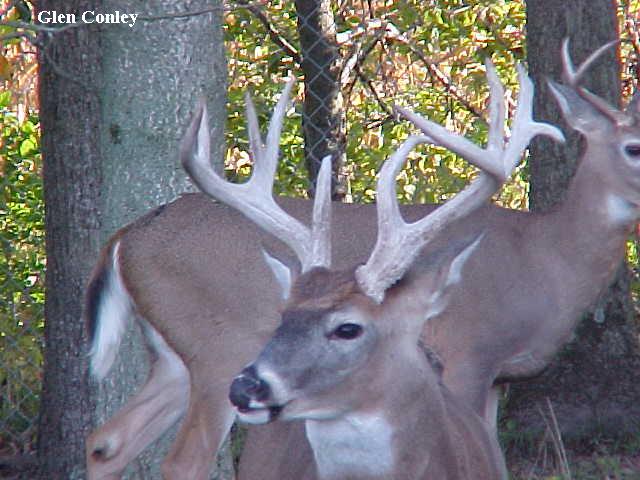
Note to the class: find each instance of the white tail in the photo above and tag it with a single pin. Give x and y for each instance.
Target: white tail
(114, 306)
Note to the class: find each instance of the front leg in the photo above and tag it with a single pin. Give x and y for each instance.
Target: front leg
(204, 429)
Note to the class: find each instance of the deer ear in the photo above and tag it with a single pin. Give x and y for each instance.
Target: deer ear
(577, 112)
(283, 273)
(449, 274)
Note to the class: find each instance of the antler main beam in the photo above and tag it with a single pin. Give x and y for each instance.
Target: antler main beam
(399, 242)
(254, 198)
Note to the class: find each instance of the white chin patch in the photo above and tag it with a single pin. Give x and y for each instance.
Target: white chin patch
(255, 417)
(621, 211)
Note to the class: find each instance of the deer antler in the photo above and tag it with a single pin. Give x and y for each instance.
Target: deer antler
(254, 198)
(572, 76)
(399, 242)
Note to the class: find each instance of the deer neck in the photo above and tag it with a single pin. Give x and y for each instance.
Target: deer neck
(392, 437)
(592, 225)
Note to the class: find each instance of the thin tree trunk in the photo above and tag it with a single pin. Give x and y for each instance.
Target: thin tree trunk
(591, 385)
(114, 106)
(323, 116)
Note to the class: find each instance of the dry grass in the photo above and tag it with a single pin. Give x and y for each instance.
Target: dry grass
(549, 459)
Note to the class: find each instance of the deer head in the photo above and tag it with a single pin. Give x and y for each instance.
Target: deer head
(606, 130)
(335, 340)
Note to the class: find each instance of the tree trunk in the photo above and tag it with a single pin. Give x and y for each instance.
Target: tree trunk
(153, 74)
(323, 116)
(591, 384)
(69, 72)
(588, 24)
(111, 153)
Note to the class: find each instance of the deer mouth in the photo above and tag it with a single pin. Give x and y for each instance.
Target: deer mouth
(253, 398)
(259, 415)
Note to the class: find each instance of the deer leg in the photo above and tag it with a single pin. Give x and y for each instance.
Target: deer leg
(205, 426)
(157, 406)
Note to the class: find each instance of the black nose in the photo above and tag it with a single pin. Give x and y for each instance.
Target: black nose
(246, 387)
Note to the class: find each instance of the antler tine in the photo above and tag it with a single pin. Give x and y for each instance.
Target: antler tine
(266, 163)
(459, 145)
(321, 223)
(572, 76)
(253, 129)
(496, 108)
(525, 128)
(400, 242)
(254, 198)
(374, 277)
(388, 210)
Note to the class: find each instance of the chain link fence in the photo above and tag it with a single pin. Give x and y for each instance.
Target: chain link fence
(354, 61)
(21, 284)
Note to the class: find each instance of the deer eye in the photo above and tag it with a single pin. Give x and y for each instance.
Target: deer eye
(346, 331)
(633, 150)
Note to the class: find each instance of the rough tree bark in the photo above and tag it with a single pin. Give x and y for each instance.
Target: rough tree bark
(322, 119)
(593, 385)
(152, 76)
(70, 117)
(114, 102)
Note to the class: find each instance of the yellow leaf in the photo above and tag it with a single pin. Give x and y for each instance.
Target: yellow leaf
(5, 68)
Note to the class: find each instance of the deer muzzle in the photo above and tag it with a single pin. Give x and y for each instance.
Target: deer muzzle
(249, 394)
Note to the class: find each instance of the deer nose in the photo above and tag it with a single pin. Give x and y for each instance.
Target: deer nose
(247, 387)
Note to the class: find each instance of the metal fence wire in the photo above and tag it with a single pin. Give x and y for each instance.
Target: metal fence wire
(21, 282)
(354, 60)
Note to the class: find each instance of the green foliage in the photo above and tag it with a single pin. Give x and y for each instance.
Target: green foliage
(21, 276)
(259, 67)
(433, 63)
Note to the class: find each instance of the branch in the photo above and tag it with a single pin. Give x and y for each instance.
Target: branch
(26, 35)
(357, 59)
(443, 79)
(374, 92)
(354, 63)
(39, 28)
(277, 38)
(168, 16)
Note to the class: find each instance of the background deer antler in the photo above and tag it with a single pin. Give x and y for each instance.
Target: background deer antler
(399, 242)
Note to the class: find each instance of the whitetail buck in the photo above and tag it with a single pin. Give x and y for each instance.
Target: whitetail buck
(192, 272)
(346, 357)
(533, 275)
